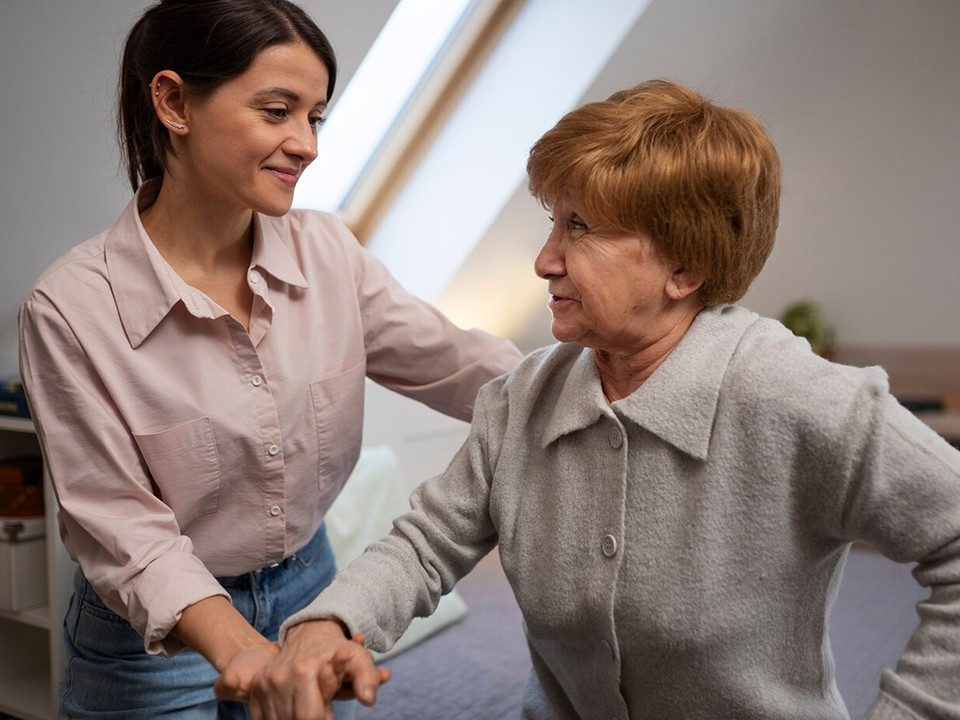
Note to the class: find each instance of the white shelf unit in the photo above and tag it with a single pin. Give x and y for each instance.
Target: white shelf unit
(31, 648)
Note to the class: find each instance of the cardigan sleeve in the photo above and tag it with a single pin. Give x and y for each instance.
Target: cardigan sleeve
(904, 498)
(446, 533)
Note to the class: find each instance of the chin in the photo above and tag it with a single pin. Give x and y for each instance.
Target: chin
(564, 335)
(274, 209)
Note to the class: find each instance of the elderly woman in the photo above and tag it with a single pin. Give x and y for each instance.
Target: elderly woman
(674, 486)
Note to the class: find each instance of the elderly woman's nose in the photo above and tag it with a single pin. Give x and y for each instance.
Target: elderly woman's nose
(549, 262)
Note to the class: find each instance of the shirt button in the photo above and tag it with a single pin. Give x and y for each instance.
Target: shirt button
(256, 381)
(275, 510)
(609, 545)
(273, 450)
(254, 277)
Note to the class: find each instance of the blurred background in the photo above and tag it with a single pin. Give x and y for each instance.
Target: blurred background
(862, 98)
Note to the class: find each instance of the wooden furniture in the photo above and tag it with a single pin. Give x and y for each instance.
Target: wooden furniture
(925, 379)
(918, 374)
(31, 656)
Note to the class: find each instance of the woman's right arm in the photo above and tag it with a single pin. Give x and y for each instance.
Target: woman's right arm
(125, 538)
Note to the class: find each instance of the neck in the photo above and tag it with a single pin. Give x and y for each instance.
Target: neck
(622, 372)
(197, 237)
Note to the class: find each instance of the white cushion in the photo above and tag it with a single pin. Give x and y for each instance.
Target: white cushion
(363, 513)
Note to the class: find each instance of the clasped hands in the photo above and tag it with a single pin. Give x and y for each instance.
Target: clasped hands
(316, 665)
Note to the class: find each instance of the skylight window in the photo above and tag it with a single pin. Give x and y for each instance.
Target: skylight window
(370, 105)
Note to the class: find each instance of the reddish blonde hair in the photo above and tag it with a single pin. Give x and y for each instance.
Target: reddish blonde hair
(702, 180)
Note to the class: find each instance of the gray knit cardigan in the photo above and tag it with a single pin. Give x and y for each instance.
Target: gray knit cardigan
(675, 553)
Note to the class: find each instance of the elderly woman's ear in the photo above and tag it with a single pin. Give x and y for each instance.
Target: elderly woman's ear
(682, 283)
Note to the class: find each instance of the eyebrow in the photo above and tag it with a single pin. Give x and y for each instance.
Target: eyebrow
(284, 92)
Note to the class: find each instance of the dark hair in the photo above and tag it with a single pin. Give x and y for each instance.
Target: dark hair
(206, 42)
(703, 180)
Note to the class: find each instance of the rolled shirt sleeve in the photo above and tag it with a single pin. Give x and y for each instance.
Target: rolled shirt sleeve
(126, 539)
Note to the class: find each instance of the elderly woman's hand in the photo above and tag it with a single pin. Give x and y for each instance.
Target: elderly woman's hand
(316, 665)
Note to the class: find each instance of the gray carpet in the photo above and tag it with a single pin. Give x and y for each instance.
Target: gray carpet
(475, 670)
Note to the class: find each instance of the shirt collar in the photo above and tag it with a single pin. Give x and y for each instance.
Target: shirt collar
(145, 286)
(142, 281)
(271, 254)
(678, 403)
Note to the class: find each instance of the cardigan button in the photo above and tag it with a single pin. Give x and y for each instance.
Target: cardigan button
(615, 436)
(609, 545)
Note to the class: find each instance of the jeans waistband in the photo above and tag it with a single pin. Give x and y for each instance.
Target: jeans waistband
(306, 554)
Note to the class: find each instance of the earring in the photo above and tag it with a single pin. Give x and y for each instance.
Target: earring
(173, 124)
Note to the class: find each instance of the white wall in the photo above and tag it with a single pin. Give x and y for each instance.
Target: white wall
(863, 101)
(60, 174)
(862, 97)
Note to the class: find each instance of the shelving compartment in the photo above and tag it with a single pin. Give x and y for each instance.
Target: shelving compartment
(31, 653)
(25, 680)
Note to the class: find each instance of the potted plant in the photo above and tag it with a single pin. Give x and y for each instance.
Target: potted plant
(805, 320)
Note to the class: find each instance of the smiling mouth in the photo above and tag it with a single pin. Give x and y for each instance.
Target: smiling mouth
(286, 176)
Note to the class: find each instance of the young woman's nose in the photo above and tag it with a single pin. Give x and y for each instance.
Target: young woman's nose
(302, 142)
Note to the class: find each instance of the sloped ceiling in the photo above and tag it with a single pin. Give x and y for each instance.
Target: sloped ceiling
(863, 102)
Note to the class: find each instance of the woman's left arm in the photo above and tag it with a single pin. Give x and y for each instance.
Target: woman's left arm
(905, 500)
(415, 350)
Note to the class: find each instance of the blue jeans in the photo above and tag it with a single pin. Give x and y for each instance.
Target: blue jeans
(109, 676)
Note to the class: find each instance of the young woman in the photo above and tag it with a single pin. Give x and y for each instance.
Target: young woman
(196, 372)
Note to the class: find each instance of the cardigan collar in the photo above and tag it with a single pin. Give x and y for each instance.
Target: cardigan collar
(678, 402)
(146, 288)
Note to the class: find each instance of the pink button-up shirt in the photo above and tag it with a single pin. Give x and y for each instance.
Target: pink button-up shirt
(182, 446)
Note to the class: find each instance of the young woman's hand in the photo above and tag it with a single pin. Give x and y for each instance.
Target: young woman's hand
(236, 679)
(316, 665)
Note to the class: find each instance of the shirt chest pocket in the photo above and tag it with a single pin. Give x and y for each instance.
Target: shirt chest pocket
(185, 467)
(338, 410)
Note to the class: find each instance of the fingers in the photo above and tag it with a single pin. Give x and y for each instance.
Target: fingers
(360, 676)
(298, 691)
(302, 680)
(234, 682)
